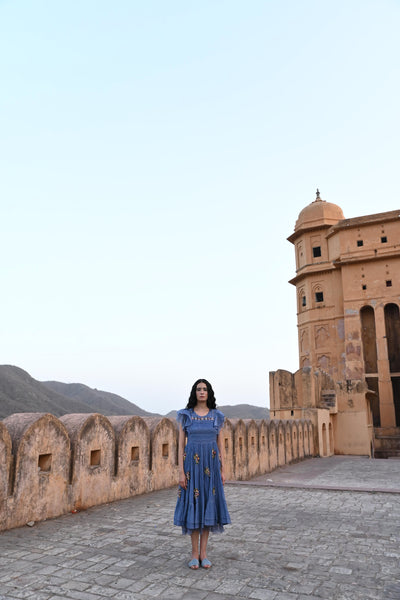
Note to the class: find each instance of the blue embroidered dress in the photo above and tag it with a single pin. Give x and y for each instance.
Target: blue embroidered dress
(202, 505)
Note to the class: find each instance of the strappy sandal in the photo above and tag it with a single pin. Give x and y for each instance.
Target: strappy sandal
(205, 563)
(193, 564)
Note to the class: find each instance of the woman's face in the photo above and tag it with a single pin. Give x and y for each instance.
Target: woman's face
(201, 392)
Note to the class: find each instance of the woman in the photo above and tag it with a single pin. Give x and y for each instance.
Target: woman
(201, 505)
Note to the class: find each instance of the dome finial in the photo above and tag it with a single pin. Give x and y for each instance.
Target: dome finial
(318, 195)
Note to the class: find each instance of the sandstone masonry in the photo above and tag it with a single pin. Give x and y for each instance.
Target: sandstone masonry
(348, 315)
(51, 466)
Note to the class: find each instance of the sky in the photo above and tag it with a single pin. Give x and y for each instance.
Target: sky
(154, 157)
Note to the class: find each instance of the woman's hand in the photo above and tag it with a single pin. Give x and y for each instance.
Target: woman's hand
(181, 458)
(182, 480)
(222, 475)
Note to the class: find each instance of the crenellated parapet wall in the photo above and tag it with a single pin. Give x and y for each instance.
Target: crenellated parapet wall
(50, 466)
(339, 411)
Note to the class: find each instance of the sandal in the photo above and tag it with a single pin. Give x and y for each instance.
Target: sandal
(205, 563)
(193, 564)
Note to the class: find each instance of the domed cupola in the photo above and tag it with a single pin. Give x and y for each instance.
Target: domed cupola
(318, 214)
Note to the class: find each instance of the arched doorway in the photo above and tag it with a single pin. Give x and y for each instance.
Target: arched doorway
(368, 333)
(324, 441)
(392, 325)
(331, 443)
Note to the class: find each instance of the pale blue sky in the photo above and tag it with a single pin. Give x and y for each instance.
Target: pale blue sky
(154, 157)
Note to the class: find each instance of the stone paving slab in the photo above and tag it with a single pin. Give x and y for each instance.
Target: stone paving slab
(283, 544)
(352, 473)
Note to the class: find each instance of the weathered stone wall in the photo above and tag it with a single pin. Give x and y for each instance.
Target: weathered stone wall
(5, 471)
(51, 466)
(339, 412)
(40, 466)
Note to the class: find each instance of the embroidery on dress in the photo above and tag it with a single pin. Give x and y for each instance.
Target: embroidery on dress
(207, 417)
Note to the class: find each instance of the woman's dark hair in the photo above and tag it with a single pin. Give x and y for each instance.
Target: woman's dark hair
(211, 403)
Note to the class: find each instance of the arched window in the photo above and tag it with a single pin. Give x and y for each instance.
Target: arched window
(368, 334)
(304, 341)
(318, 295)
(392, 324)
(300, 255)
(302, 299)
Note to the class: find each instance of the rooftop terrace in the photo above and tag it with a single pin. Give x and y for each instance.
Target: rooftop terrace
(305, 531)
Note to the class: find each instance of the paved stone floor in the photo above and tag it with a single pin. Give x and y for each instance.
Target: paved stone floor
(290, 539)
(338, 473)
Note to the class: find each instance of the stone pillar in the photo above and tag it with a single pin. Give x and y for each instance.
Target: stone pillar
(386, 404)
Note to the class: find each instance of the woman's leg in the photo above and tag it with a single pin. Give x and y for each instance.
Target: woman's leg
(195, 544)
(203, 544)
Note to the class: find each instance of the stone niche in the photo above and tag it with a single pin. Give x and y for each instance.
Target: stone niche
(288, 442)
(281, 435)
(300, 429)
(253, 462)
(240, 450)
(132, 437)
(264, 461)
(41, 448)
(306, 439)
(164, 452)
(93, 458)
(294, 434)
(227, 448)
(273, 444)
(311, 439)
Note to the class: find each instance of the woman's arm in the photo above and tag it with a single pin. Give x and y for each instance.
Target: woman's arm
(221, 455)
(181, 449)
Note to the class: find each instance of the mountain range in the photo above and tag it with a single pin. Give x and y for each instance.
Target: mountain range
(19, 392)
(237, 411)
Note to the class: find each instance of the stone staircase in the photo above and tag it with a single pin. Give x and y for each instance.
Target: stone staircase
(387, 442)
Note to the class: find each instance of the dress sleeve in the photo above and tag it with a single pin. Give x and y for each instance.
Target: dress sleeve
(219, 419)
(184, 419)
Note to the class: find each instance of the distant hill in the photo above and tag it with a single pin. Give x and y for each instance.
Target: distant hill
(238, 411)
(244, 411)
(19, 392)
(105, 403)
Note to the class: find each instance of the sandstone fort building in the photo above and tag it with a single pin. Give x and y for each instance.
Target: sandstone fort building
(348, 296)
